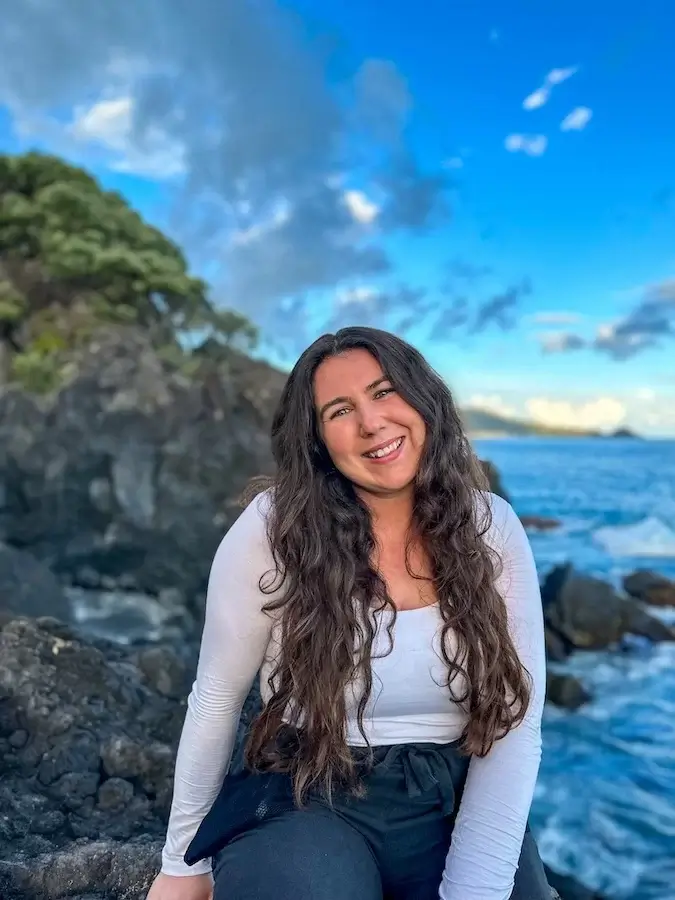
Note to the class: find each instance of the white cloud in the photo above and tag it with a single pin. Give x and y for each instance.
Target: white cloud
(555, 318)
(277, 217)
(542, 95)
(557, 76)
(360, 294)
(492, 403)
(577, 119)
(560, 341)
(455, 162)
(109, 123)
(362, 209)
(536, 98)
(599, 413)
(531, 144)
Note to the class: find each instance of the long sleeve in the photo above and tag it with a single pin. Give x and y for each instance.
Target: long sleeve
(235, 636)
(490, 826)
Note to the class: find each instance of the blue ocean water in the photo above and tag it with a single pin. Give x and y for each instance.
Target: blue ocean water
(604, 809)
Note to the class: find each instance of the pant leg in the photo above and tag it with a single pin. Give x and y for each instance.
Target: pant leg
(530, 882)
(307, 854)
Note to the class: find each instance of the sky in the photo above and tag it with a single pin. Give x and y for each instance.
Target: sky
(493, 181)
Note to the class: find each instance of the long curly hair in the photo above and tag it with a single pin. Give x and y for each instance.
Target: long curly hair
(322, 541)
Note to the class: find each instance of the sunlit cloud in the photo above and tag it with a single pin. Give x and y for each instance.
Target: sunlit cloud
(601, 412)
(577, 119)
(530, 144)
(542, 94)
(536, 98)
(362, 209)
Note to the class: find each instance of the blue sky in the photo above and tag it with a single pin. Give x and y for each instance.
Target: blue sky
(551, 222)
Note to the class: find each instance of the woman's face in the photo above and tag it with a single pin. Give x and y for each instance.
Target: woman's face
(373, 436)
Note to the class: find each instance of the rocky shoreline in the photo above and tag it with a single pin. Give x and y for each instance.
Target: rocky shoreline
(114, 493)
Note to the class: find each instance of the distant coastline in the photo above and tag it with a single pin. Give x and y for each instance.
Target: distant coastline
(484, 425)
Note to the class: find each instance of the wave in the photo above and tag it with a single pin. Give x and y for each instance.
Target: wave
(650, 537)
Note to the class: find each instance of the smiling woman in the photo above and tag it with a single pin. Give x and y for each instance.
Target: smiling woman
(373, 436)
(391, 606)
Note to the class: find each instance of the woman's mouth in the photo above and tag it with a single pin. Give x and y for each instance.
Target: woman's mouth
(386, 453)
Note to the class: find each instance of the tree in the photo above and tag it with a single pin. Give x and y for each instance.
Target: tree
(72, 255)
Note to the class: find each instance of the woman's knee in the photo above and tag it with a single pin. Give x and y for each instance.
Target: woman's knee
(307, 854)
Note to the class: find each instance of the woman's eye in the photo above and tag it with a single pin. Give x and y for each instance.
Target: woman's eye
(338, 412)
(384, 392)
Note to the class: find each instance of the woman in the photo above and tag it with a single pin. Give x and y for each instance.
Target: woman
(392, 606)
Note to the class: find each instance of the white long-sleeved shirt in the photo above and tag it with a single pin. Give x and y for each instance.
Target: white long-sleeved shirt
(409, 703)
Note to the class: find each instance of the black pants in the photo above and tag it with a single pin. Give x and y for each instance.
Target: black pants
(389, 845)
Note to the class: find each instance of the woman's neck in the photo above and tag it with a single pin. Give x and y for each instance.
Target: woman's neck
(391, 514)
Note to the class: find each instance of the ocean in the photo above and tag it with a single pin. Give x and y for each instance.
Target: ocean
(604, 809)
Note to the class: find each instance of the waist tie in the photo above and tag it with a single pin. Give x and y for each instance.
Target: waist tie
(425, 768)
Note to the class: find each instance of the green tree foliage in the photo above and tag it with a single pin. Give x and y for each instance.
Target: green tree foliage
(68, 246)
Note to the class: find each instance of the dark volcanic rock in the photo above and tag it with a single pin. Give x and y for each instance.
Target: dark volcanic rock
(495, 479)
(651, 588)
(588, 613)
(88, 735)
(131, 472)
(565, 691)
(29, 588)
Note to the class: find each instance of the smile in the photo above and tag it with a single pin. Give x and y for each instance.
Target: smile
(387, 450)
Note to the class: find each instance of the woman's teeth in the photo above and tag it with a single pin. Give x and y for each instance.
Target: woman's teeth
(385, 451)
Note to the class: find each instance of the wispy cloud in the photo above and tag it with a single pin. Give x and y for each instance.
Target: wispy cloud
(542, 94)
(361, 208)
(577, 120)
(109, 123)
(530, 144)
(560, 341)
(537, 98)
(649, 324)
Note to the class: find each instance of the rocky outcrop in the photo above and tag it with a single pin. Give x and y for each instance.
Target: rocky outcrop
(650, 588)
(587, 613)
(128, 476)
(88, 734)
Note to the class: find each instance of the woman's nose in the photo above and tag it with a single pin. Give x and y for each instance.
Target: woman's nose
(370, 421)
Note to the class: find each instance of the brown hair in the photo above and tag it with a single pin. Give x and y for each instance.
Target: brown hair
(322, 541)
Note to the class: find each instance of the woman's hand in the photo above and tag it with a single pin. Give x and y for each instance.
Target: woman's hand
(181, 887)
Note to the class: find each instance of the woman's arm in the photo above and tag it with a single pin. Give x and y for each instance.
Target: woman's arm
(490, 825)
(234, 640)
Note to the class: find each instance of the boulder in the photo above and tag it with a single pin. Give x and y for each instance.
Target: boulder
(88, 735)
(129, 475)
(589, 614)
(540, 523)
(29, 588)
(495, 479)
(650, 588)
(565, 691)
(568, 888)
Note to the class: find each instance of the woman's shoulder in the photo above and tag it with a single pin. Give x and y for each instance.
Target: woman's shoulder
(499, 515)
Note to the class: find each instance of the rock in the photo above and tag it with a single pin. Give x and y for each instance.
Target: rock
(565, 691)
(589, 614)
(88, 735)
(540, 523)
(568, 888)
(650, 588)
(495, 479)
(128, 476)
(557, 649)
(29, 588)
